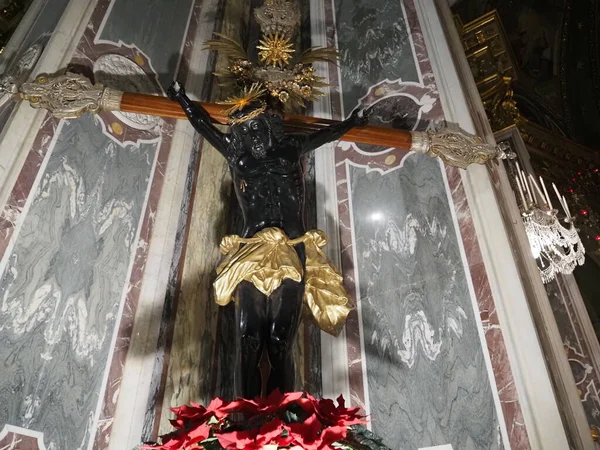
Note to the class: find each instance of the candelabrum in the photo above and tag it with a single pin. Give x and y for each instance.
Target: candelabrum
(556, 247)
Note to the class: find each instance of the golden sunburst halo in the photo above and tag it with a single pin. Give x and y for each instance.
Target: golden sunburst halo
(275, 50)
(248, 97)
(255, 92)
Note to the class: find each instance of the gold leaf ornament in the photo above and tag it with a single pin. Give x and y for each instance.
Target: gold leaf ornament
(227, 46)
(275, 50)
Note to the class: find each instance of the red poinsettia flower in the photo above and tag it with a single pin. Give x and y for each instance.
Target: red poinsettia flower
(196, 414)
(275, 402)
(182, 439)
(330, 414)
(191, 424)
(311, 435)
(327, 424)
(269, 434)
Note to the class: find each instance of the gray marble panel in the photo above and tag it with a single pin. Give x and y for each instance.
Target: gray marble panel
(64, 281)
(374, 44)
(155, 27)
(427, 380)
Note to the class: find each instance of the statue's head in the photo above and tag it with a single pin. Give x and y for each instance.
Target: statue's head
(257, 129)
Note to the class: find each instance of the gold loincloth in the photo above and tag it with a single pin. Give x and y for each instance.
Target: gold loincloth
(269, 257)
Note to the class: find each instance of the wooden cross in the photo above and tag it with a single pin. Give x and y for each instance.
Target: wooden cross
(70, 95)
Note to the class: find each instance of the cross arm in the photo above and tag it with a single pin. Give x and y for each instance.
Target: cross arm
(70, 95)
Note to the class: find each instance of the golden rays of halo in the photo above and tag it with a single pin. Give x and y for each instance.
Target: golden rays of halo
(275, 50)
(238, 103)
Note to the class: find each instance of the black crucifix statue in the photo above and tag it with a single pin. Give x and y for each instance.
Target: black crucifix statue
(276, 265)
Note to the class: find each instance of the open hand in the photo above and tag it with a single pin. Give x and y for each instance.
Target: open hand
(360, 117)
(175, 91)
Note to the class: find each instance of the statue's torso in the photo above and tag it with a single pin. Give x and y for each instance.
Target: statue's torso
(270, 191)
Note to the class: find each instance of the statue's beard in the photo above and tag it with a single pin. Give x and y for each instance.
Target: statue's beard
(259, 151)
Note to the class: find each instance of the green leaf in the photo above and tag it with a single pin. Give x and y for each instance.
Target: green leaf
(212, 420)
(360, 438)
(341, 446)
(290, 417)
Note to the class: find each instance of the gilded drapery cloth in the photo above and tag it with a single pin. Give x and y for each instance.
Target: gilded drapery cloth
(269, 257)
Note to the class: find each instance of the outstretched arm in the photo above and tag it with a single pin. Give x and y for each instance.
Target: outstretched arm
(359, 117)
(198, 117)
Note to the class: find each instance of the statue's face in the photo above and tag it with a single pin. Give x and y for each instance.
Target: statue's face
(255, 135)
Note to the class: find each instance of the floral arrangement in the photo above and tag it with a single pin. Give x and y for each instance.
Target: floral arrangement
(294, 421)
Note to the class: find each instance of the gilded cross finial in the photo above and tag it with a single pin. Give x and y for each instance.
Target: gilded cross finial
(69, 96)
(455, 147)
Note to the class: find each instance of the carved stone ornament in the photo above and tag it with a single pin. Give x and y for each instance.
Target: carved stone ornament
(278, 17)
(455, 147)
(69, 96)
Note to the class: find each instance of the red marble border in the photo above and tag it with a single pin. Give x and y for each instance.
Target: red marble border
(20, 442)
(579, 354)
(508, 395)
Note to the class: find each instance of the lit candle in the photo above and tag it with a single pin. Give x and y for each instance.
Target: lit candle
(559, 197)
(530, 189)
(526, 184)
(546, 192)
(522, 176)
(521, 192)
(567, 207)
(537, 188)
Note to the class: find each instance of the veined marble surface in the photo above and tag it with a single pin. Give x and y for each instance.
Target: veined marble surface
(416, 354)
(427, 379)
(139, 21)
(64, 281)
(374, 44)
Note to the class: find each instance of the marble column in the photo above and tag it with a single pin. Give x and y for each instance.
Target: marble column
(418, 363)
(79, 224)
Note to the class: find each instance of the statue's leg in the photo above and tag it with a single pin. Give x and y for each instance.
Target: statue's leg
(252, 328)
(285, 310)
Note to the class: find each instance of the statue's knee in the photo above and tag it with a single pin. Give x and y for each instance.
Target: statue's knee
(251, 342)
(280, 346)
